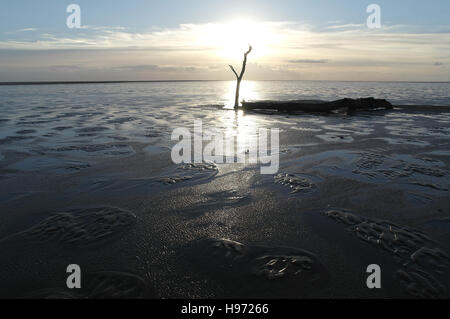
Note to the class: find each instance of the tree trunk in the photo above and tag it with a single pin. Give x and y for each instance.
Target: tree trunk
(236, 100)
(240, 76)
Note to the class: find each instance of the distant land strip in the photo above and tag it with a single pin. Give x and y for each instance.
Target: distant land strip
(98, 82)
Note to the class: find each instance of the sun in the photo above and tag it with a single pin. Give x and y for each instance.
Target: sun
(231, 39)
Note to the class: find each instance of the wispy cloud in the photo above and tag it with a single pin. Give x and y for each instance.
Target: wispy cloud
(158, 68)
(101, 28)
(27, 30)
(306, 61)
(345, 26)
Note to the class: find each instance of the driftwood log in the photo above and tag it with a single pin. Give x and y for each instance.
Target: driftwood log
(349, 105)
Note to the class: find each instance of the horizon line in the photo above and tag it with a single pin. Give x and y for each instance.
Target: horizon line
(12, 83)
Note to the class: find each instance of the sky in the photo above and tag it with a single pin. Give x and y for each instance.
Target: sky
(198, 39)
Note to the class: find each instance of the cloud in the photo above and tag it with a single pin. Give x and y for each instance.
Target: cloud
(102, 28)
(27, 30)
(275, 35)
(282, 50)
(345, 26)
(157, 68)
(309, 61)
(68, 68)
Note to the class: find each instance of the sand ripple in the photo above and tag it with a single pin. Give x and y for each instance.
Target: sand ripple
(100, 285)
(296, 183)
(197, 171)
(117, 285)
(422, 265)
(80, 227)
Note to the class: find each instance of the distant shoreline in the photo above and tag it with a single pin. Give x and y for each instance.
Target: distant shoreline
(100, 82)
(181, 81)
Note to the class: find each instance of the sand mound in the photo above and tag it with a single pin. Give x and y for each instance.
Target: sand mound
(80, 227)
(265, 271)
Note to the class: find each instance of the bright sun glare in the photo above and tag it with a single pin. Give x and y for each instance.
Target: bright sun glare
(232, 39)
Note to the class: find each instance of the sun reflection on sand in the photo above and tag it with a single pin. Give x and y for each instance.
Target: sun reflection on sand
(239, 129)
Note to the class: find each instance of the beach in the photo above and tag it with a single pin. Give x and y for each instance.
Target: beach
(87, 178)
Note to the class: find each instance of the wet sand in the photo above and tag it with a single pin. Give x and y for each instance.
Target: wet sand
(372, 188)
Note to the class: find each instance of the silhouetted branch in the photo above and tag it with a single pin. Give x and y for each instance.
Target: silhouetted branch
(234, 71)
(244, 63)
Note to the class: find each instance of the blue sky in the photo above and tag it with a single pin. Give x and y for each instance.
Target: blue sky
(141, 14)
(294, 39)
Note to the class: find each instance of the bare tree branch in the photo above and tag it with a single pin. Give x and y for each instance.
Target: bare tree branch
(244, 63)
(234, 71)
